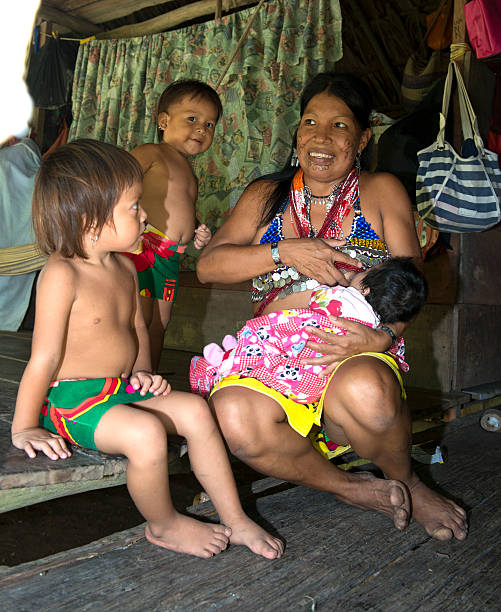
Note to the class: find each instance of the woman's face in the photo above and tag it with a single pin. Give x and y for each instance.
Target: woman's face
(328, 139)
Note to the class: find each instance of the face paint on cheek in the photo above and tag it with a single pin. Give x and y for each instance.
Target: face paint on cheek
(348, 147)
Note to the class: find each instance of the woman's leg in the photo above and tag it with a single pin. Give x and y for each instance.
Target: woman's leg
(188, 415)
(257, 432)
(142, 438)
(363, 406)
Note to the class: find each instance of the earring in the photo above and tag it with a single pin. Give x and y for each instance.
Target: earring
(358, 163)
(294, 159)
(93, 238)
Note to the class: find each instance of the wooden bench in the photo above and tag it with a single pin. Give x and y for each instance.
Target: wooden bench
(25, 481)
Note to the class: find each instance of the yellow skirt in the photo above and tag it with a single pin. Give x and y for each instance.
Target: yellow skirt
(304, 417)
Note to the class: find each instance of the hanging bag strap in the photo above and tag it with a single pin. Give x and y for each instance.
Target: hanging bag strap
(469, 122)
(445, 107)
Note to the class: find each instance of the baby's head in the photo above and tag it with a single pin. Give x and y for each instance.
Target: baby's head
(188, 95)
(395, 289)
(76, 190)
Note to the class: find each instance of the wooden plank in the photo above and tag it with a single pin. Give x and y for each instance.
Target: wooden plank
(107, 10)
(428, 348)
(480, 259)
(20, 471)
(75, 24)
(335, 553)
(15, 345)
(478, 341)
(170, 19)
(13, 499)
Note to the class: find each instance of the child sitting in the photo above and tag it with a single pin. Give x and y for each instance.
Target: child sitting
(89, 379)
(187, 115)
(272, 349)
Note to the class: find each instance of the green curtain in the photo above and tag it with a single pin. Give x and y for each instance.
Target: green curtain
(118, 82)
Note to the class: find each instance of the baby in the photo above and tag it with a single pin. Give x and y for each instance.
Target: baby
(272, 348)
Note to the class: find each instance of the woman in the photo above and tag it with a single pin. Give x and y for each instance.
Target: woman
(284, 228)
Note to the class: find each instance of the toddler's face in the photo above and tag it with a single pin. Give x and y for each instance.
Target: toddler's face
(125, 230)
(189, 125)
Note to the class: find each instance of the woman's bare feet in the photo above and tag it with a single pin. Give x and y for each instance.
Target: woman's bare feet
(245, 531)
(187, 535)
(441, 517)
(388, 497)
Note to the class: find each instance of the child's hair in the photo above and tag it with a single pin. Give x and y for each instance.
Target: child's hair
(397, 289)
(76, 190)
(193, 89)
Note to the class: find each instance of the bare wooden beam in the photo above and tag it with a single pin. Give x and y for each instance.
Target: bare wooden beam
(171, 19)
(218, 9)
(108, 10)
(75, 24)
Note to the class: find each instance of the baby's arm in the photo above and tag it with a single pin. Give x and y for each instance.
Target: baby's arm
(55, 297)
(202, 237)
(142, 377)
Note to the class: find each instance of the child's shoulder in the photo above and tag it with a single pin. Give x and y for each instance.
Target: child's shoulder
(59, 271)
(126, 262)
(149, 154)
(152, 150)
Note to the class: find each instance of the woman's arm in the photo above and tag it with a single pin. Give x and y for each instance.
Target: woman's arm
(231, 257)
(55, 297)
(385, 195)
(389, 197)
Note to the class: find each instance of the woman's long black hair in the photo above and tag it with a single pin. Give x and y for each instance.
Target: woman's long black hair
(354, 93)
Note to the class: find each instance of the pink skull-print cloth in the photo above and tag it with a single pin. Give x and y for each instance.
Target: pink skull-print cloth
(271, 348)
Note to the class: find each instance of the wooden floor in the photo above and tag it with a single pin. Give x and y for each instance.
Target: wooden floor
(337, 557)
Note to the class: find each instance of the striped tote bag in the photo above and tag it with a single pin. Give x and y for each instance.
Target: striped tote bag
(458, 193)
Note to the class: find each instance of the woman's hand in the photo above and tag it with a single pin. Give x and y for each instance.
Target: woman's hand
(359, 338)
(316, 258)
(36, 438)
(148, 382)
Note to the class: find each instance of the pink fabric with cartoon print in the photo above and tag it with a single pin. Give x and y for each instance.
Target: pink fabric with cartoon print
(271, 347)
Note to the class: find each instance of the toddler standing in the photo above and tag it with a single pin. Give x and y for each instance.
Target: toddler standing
(187, 115)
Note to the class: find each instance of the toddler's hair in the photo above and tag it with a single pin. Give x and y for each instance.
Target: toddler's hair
(191, 88)
(76, 190)
(397, 289)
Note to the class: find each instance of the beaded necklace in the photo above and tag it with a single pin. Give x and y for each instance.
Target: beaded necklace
(286, 279)
(342, 196)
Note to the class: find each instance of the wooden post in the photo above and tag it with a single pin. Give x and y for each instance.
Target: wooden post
(218, 9)
(463, 63)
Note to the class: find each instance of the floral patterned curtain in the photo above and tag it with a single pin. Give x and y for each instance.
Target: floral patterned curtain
(118, 82)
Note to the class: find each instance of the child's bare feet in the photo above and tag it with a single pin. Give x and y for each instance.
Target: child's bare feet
(441, 517)
(245, 531)
(388, 497)
(187, 535)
